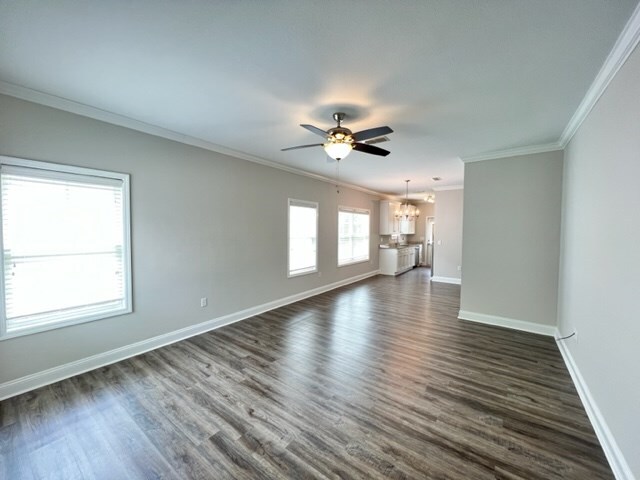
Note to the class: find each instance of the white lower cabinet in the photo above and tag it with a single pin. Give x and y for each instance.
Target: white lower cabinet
(394, 261)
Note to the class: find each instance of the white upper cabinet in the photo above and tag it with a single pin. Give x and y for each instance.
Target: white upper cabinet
(389, 224)
(408, 226)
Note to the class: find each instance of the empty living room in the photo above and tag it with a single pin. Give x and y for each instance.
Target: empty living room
(291, 240)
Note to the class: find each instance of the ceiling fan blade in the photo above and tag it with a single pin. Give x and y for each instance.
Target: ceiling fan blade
(364, 148)
(371, 133)
(316, 130)
(302, 146)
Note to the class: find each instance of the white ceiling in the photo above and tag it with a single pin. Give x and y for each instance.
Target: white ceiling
(454, 79)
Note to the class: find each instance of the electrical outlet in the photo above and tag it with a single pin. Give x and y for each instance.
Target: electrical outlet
(459, 268)
(203, 302)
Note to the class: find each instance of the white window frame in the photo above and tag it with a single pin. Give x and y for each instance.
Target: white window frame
(308, 204)
(126, 218)
(342, 208)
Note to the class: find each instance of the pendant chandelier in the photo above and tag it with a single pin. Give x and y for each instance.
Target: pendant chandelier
(407, 211)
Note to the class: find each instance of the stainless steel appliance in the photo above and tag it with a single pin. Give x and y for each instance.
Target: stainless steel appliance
(418, 255)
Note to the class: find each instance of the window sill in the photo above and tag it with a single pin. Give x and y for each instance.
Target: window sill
(347, 264)
(300, 274)
(54, 326)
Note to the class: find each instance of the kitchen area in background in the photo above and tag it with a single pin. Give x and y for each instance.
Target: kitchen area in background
(406, 236)
(404, 227)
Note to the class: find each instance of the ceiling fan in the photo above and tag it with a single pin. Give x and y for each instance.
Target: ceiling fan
(340, 140)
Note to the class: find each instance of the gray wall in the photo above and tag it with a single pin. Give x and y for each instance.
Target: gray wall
(512, 237)
(203, 224)
(426, 210)
(448, 232)
(600, 256)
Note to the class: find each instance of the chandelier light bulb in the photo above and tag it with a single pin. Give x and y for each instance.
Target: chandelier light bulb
(406, 210)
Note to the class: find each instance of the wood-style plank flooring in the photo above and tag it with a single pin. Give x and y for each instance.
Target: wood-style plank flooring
(375, 380)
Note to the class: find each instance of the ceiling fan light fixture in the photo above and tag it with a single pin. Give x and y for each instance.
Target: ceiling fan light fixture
(337, 150)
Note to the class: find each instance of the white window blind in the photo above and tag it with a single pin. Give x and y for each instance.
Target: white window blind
(65, 246)
(353, 235)
(303, 237)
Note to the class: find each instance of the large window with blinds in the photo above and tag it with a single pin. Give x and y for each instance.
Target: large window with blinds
(303, 237)
(65, 245)
(353, 235)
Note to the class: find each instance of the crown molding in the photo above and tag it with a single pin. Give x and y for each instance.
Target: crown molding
(624, 46)
(514, 152)
(448, 187)
(60, 103)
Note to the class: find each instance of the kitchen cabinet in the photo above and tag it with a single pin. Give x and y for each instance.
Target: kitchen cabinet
(394, 261)
(389, 224)
(408, 226)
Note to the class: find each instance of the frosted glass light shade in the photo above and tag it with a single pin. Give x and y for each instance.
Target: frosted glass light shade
(337, 150)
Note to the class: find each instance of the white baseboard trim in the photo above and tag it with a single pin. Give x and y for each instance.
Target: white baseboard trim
(617, 462)
(55, 374)
(455, 281)
(525, 326)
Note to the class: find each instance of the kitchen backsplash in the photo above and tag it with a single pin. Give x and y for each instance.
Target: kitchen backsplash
(387, 239)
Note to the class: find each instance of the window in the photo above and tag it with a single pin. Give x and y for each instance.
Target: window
(353, 235)
(303, 237)
(65, 245)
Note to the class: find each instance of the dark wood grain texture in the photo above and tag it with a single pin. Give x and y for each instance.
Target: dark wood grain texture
(375, 380)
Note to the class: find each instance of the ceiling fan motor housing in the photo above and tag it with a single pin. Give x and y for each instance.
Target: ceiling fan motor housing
(340, 134)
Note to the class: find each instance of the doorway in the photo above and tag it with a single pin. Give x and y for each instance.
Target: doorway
(430, 225)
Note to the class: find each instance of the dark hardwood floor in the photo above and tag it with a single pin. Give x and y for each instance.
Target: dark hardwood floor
(378, 379)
